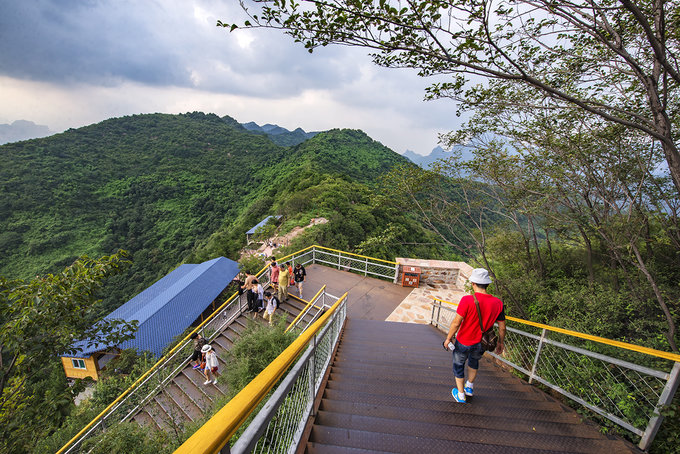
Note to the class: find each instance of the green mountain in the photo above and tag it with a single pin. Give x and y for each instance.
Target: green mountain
(176, 188)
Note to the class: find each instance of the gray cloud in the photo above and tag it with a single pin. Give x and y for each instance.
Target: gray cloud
(156, 43)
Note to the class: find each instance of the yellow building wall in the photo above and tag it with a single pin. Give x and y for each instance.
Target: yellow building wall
(89, 371)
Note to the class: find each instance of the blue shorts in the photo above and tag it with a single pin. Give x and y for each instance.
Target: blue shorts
(463, 353)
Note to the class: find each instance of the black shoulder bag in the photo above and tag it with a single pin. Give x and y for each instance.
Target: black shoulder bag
(489, 337)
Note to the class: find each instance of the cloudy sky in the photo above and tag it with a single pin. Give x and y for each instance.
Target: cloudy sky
(69, 63)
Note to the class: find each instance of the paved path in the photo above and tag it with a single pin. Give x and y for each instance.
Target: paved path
(378, 299)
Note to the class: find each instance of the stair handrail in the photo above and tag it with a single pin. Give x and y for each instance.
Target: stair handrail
(309, 304)
(219, 429)
(513, 353)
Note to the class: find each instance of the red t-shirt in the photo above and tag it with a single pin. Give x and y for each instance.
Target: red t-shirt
(491, 309)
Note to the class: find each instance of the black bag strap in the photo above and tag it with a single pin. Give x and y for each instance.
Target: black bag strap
(479, 312)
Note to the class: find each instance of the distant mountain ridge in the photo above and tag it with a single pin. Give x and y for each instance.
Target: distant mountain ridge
(436, 154)
(22, 130)
(278, 135)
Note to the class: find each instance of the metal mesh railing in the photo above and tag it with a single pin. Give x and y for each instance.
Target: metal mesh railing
(278, 427)
(627, 393)
(354, 263)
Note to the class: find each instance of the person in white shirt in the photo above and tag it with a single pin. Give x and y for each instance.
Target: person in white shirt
(272, 304)
(211, 365)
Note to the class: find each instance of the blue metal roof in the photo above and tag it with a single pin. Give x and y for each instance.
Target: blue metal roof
(169, 306)
(262, 223)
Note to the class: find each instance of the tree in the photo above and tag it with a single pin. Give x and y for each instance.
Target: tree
(614, 60)
(41, 319)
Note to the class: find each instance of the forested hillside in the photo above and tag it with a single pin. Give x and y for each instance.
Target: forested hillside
(172, 188)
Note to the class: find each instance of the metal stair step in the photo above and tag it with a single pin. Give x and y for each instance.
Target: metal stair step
(571, 424)
(415, 389)
(320, 448)
(376, 441)
(183, 401)
(197, 378)
(484, 434)
(174, 415)
(162, 419)
(489, 372)
(197, 396)
(145, 420)
(554, 412)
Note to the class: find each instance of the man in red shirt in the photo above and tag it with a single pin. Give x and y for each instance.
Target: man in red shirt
(468, 347)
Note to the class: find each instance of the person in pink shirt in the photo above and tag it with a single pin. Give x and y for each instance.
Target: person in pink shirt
(274, 275)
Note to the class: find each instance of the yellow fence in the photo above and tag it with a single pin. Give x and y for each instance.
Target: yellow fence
(217, 432)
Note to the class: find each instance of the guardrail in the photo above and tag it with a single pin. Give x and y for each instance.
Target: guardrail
(133, 398)
(626, 393)
(279, 425)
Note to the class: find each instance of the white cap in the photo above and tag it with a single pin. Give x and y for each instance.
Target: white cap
(480, 276)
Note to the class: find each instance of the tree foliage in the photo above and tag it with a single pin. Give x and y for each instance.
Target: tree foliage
(615, 60)
(41, 319)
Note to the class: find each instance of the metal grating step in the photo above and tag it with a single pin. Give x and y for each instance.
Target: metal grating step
(483, 434)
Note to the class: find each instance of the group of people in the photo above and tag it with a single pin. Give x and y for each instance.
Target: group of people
(475, 313)
(280, 277)
(205, 359)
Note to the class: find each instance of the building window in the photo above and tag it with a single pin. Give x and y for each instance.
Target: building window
(78, 363)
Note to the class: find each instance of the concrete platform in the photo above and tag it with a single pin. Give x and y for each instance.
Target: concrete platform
(369, 298)
(377, 299)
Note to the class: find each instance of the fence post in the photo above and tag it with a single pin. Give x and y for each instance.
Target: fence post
(365, 267)
(339, 258)
(312, 375)
(313, 255)
(538, 353)
(396, 273)
(432, 322)
(665, 399)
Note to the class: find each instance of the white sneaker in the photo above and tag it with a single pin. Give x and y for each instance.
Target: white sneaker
(214, 382)
(207, 382)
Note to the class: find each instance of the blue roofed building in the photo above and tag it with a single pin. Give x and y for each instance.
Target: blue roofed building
(262, 223)
(163, 311)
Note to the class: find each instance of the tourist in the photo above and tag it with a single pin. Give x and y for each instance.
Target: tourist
(284, 280)
(211, 365)
(274, 271)
(272, 304)
(468, 334)
(199, 342)
(299, 274)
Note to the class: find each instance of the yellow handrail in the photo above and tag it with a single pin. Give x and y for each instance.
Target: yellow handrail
(309, 303)
(602, 340)
(356, 255)
(146, 374)
(215, 433)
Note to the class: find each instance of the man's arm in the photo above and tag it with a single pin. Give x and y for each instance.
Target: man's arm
(501, 337)
(455, 324)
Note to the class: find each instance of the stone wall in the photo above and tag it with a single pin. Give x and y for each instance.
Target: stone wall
(437, 273)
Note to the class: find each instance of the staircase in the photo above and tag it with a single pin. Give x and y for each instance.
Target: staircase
(185, 398)
(389, 390)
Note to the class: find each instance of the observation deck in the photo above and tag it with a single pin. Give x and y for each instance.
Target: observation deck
(367, 373)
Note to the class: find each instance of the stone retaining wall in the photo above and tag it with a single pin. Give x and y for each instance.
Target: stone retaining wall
(437, 273)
